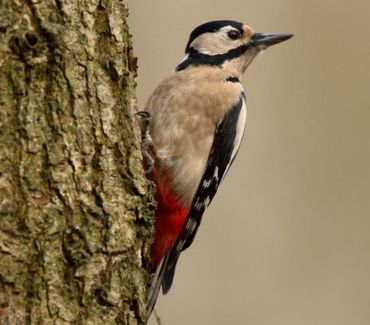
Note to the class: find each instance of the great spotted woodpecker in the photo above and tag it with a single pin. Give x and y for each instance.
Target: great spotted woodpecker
(197, 119)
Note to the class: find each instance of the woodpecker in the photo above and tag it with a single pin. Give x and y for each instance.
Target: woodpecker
(197, 120)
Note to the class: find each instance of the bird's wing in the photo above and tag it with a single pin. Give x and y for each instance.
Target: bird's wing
(225, 146)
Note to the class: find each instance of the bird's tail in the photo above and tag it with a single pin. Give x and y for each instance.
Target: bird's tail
(155, 286)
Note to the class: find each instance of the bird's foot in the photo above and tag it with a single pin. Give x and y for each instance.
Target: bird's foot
(148, 149)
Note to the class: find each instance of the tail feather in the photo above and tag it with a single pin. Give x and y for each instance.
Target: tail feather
(155, 286)
(168, 276)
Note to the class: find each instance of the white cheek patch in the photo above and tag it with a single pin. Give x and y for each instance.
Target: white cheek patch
(215, 43)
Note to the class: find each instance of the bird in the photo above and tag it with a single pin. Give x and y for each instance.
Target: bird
(196, 119)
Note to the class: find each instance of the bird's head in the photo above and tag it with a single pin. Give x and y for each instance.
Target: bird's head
(227, 42)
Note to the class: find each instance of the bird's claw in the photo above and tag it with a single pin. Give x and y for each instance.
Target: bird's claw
(148, 149)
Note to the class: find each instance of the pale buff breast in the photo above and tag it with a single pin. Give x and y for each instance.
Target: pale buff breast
(186, 109)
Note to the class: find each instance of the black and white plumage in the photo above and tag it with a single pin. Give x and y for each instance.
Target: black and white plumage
(225, 146)
(197, 122)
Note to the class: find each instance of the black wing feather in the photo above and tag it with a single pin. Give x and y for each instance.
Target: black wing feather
(219, 161)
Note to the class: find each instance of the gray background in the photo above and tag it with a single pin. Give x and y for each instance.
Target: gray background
(286, 240)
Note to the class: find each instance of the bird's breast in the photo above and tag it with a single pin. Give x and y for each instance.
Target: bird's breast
(186, 109)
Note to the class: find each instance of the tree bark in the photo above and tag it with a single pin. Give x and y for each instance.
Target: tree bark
(75, 206)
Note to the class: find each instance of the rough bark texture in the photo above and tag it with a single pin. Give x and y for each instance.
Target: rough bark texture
(75, 206)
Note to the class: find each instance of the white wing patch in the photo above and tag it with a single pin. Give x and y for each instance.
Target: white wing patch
(206, 183)
(216, 174)
(240, 127)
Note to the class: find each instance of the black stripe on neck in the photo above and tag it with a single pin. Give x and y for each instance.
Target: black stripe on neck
(196, 58)
(233, 79)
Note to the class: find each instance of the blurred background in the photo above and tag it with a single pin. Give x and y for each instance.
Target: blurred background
(286, 240)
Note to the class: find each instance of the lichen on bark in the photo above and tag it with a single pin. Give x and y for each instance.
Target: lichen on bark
(75, 207)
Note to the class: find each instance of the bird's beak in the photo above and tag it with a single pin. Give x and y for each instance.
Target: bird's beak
(268, 39)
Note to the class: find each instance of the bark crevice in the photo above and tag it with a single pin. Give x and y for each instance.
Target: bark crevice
(75, 207)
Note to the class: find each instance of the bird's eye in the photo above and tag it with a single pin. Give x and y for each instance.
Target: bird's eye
(233, 34)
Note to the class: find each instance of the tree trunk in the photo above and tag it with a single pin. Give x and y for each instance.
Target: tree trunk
(75, 207)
